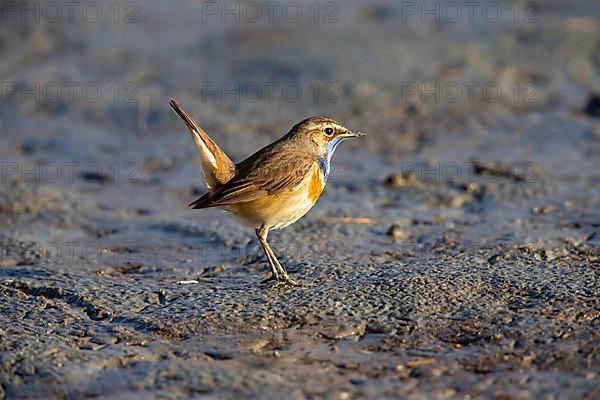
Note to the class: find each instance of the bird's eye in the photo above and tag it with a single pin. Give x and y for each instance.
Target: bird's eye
(329, 131)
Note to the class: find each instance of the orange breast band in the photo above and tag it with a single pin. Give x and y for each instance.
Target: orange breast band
(315, 187)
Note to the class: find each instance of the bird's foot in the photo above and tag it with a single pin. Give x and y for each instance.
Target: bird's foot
(286, 281)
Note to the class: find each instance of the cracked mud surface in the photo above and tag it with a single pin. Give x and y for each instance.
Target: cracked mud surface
(453, 254)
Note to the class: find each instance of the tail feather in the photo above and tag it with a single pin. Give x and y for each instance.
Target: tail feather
(197, 203)
(218, 168)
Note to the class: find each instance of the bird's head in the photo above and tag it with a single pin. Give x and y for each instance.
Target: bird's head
(323, 132)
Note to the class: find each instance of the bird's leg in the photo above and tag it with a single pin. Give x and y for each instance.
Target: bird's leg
(262, 233)
(279, 273)
(283, 275)
(282, 272)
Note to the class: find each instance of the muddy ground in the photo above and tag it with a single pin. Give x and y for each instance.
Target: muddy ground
(453, 254)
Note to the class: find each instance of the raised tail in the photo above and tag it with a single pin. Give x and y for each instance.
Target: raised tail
(217, 167)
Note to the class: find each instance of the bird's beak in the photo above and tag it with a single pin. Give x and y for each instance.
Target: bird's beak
(350, 134)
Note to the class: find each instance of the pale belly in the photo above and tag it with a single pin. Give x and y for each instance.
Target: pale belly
(281, 210)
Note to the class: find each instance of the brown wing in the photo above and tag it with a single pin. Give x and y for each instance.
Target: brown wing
(271, 170)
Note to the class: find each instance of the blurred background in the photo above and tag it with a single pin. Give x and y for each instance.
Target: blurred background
(480, 170)
(440, 82)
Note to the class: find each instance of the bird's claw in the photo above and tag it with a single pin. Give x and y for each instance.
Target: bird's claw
(288, 282)
(281, 281)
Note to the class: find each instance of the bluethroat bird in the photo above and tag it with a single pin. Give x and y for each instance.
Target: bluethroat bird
(275, 186)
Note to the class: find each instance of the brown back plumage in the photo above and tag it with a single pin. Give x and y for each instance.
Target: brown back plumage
(271, 170)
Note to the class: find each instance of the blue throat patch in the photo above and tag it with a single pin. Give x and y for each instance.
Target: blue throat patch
(324, 165)
(325, 162)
